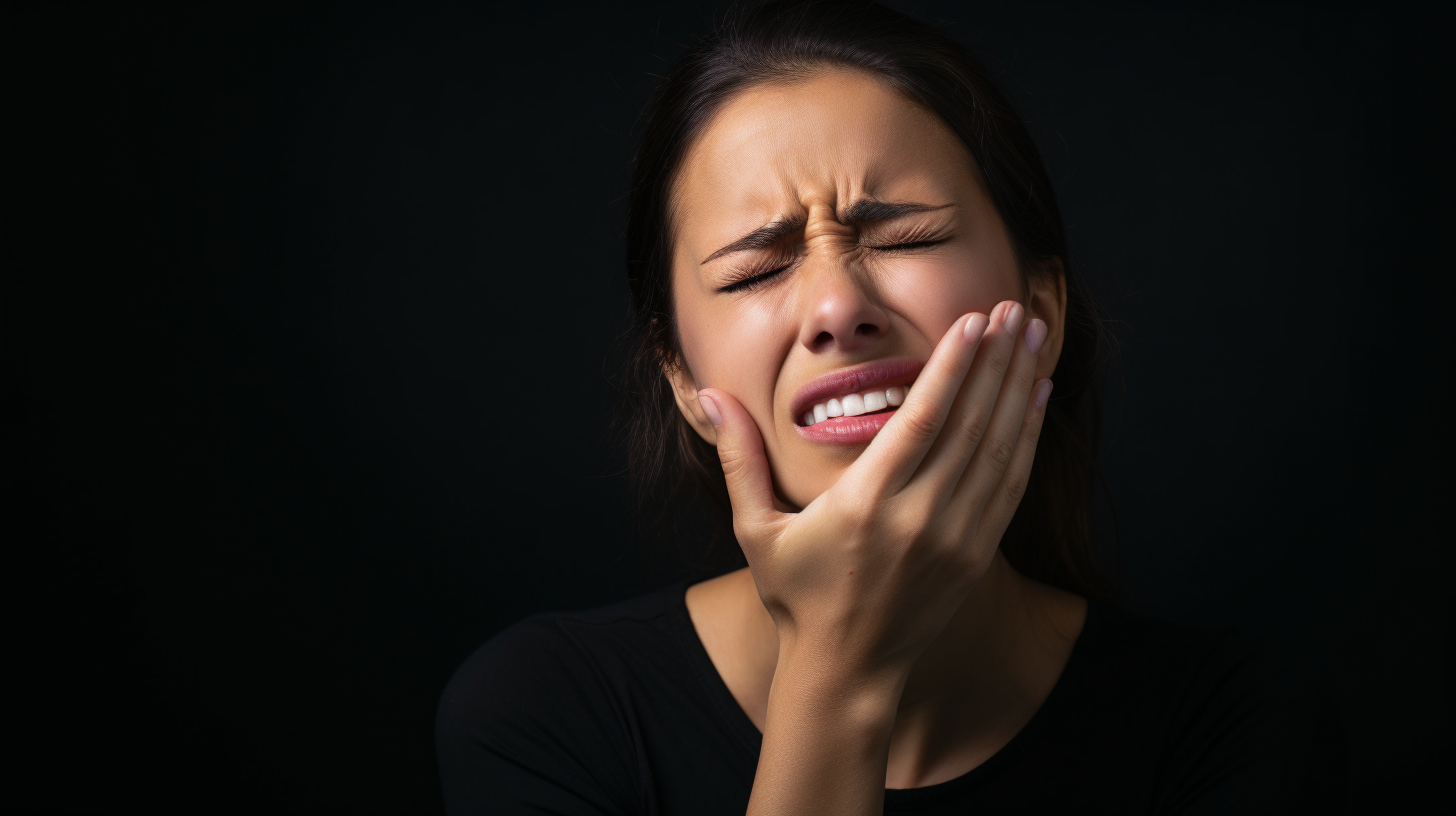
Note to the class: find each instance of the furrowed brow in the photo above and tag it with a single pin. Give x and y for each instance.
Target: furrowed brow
(868, 210)
(864, 211)
(765, 236)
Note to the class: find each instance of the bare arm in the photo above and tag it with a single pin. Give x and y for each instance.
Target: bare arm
(826, 744)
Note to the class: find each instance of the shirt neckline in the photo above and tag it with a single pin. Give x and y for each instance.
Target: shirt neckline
(744, 730)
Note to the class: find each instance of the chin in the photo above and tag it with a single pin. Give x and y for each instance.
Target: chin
(815, 471)
(807, 490)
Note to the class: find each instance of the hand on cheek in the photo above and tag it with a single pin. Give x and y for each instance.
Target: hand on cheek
(879, 562)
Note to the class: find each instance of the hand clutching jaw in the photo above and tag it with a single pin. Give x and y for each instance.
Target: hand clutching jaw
(862, 579)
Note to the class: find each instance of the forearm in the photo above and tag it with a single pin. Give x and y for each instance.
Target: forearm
(826, 741)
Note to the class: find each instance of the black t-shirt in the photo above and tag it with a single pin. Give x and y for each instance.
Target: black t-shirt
(619, 710)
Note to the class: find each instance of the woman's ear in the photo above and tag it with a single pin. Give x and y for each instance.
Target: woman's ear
(685, 394)
(1047, 300)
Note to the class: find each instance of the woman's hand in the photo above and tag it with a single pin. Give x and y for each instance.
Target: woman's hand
(863, 579)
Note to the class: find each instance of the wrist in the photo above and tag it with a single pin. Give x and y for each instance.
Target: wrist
(818, 683)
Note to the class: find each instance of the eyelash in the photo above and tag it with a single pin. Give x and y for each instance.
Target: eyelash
(753, 281)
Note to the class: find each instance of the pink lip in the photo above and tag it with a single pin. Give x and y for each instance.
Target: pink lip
(847, 430)
(852, 380)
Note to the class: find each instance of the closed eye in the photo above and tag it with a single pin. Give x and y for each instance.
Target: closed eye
(905, 246)
(754, 281)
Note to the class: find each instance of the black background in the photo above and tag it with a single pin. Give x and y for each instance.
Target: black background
(311, 318)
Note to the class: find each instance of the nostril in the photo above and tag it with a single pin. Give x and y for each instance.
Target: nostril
(824, 339)
(865, 329)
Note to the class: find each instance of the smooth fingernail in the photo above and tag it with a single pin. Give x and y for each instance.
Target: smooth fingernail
(1043, 390)
(975, 327)
(711, 409)
(1012, 319)
(1036, 332)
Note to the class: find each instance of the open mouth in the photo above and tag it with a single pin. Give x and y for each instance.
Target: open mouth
(873, 401)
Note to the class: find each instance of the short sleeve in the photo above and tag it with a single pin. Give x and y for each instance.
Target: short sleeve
(527, 725)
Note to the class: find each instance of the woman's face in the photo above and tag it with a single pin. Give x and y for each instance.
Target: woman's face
(841, 170)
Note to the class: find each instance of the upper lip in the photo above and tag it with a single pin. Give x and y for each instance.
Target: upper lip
(854, 379)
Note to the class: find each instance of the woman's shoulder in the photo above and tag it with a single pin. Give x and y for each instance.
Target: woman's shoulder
(548, 654)
(538, 713)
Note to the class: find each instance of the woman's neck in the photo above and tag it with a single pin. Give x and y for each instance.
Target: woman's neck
(981, 680)
(977, 684)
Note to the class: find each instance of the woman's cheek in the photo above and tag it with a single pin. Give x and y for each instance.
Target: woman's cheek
(930, 292)
(751, 331)
(934, 291)
(733, 345)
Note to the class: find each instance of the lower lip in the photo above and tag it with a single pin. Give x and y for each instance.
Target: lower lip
(847, 430)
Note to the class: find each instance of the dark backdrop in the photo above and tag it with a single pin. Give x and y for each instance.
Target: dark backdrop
(311, 318)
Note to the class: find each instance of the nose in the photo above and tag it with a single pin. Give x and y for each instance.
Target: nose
(840, 311)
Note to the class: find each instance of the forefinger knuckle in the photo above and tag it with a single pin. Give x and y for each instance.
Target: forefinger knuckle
(920, 427)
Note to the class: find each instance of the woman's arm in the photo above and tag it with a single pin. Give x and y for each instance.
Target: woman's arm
(864, 578)
(827, 739)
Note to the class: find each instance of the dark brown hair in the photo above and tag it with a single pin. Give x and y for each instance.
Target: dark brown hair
(1050, 538)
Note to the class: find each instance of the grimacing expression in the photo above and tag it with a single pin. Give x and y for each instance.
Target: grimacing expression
(837, 288)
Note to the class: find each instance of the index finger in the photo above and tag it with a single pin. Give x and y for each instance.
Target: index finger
(895, 453)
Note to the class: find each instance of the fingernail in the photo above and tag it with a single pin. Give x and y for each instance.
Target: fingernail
(1012, 320)
(1035, 335)
(711, 409)
(975, 327)
(1043, 390)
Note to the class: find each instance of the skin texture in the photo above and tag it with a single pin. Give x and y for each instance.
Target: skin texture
(877, 632)
(788, 150)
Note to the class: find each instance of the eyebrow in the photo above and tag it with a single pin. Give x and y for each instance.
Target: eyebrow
(866, 210)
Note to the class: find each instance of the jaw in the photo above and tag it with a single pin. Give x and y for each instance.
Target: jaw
(803, 470)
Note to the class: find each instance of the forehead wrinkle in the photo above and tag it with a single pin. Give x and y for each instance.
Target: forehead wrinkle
(781, 177)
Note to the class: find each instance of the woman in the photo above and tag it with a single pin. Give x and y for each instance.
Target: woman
(851, 295)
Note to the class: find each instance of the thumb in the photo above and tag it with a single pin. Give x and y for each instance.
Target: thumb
(740, 450)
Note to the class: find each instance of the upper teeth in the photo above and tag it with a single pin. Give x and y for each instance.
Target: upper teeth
(856, 404)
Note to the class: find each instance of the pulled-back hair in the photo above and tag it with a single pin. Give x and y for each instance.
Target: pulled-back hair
(1050, 537)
